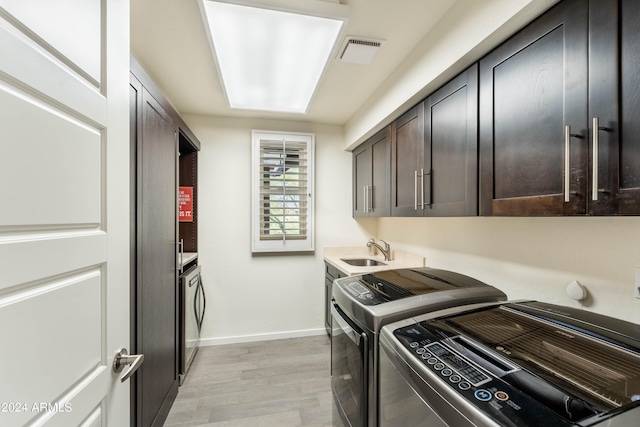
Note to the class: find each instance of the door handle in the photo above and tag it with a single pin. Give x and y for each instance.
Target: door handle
(122, 359)
(180, 255)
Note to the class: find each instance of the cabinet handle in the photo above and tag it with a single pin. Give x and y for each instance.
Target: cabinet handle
(422, 189)
(368, 203)
(364, 201)
(596, 143)
(415, 193)
(567, 162)
(428, 174)
(595, 158)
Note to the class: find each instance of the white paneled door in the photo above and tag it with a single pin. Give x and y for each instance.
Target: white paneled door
(64, 211)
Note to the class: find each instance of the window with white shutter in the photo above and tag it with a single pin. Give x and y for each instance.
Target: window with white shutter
(282, 193)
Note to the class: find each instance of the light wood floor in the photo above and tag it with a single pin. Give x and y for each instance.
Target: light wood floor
(280, 383)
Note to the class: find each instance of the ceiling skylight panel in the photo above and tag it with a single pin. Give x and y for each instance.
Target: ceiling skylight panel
(269, 59)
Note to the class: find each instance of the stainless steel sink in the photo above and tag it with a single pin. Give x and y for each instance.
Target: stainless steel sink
(362, 262)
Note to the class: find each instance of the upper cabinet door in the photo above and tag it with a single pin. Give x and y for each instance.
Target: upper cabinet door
(533, 109)
(361, 179)
(380, 192)
(614, 106)
(451, 147)
(407, 163)
(371, 176)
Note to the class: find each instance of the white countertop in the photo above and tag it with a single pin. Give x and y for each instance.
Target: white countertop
(334, 255)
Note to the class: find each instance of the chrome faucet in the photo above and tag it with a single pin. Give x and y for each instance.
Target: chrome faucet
(386, 251)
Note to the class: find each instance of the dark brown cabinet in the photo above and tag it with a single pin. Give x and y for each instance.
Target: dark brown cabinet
(154, 268)
(434, 153)
(530, 87)
(450, 176)
(557, 108)
(160, 143)
(614, 101)
(371, 176)
(407, 163)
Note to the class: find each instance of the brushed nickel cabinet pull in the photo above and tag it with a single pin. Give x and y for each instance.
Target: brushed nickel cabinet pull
(595, 158)
(596, 143)
(422, 189)
(567, 162)
(430, 175)
(364, 201)
(415, 193)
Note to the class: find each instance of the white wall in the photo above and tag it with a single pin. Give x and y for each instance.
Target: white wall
(468, 30)
(533, 258)
(254, 297)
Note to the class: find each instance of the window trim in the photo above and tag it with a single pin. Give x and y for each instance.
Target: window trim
(297, 244)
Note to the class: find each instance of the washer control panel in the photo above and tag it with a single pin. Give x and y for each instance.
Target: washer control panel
(361, 293)
(458, 368)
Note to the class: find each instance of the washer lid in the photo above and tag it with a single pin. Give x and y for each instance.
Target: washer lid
(391, 285)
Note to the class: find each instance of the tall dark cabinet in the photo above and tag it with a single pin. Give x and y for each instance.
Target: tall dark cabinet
(160, 142)
(154, 274)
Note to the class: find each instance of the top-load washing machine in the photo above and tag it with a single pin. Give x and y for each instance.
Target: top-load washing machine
(510, 364)
(361, 305)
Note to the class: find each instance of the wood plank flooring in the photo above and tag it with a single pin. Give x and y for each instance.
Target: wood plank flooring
(280, 383)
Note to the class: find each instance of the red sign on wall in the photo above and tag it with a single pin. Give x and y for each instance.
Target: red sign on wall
(185, 204)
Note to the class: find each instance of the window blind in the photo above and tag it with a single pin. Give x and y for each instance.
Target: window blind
(283, 205)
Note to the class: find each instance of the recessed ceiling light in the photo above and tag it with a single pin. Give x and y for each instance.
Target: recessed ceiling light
(269, 59)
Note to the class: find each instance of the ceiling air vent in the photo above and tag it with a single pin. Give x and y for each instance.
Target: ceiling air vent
(359, 50)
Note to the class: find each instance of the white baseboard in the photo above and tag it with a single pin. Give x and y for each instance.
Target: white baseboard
(261, 337)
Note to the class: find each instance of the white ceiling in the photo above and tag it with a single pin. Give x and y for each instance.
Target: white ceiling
(169, 40)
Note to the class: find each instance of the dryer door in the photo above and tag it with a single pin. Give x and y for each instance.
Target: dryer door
(349, 365)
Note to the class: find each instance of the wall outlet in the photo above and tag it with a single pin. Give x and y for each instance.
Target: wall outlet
(636, 286)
